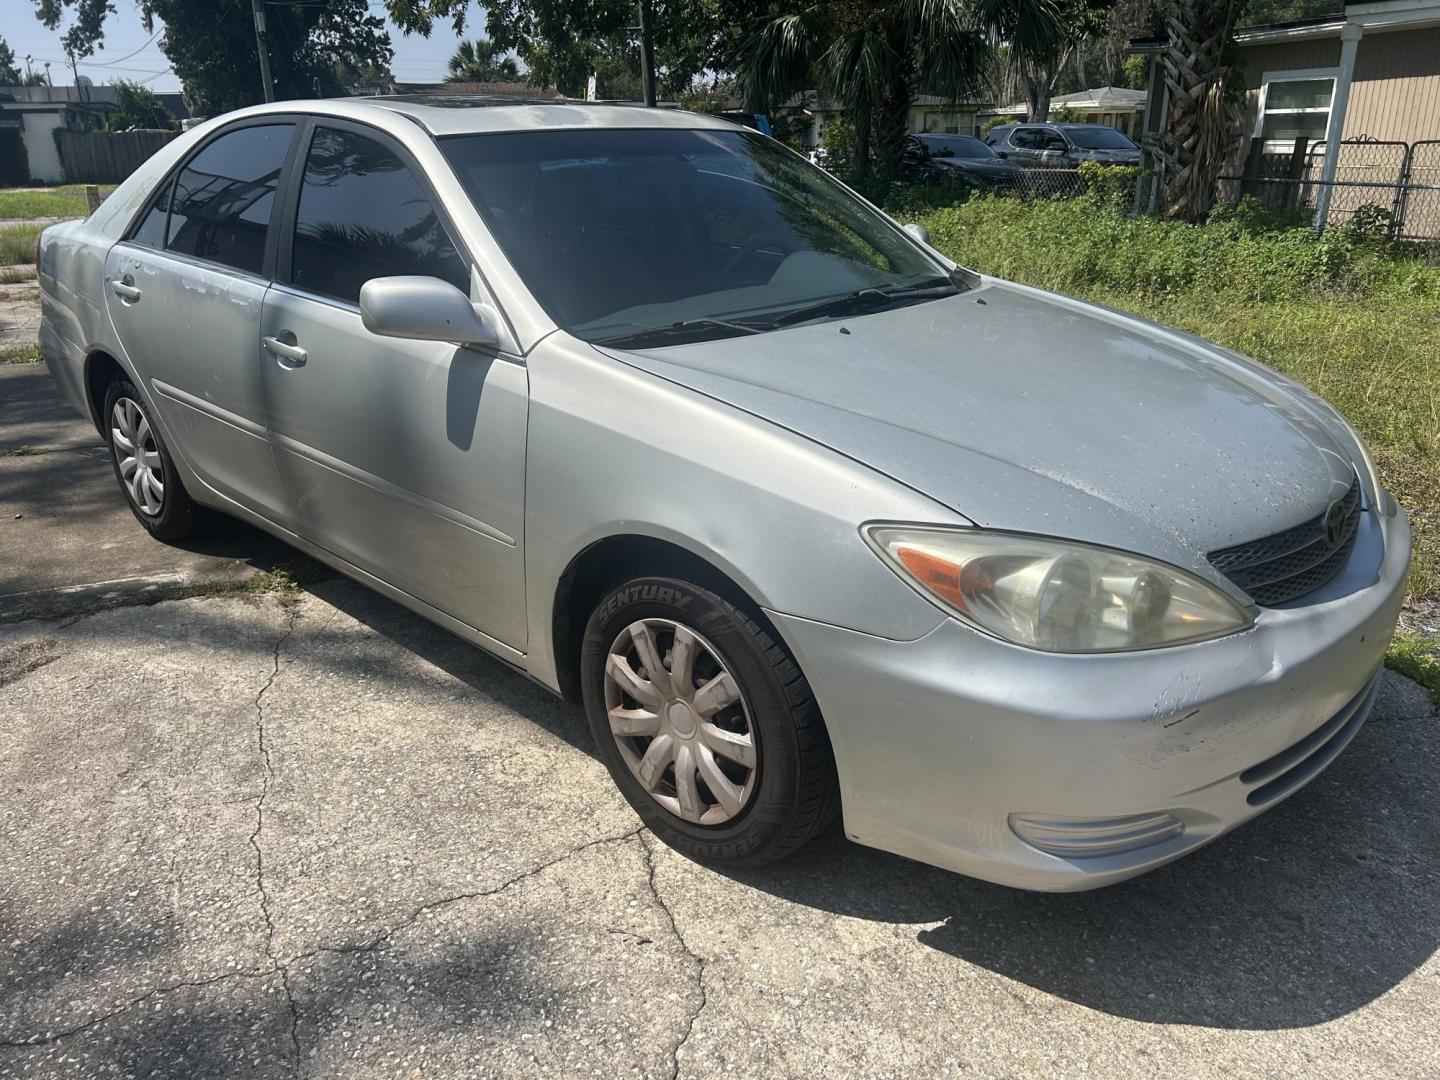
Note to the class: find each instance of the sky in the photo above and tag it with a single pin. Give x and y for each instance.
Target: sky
(417, 59)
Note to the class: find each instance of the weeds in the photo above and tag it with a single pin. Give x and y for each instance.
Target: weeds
(1417, 658)
(20, 354)
(17, 244)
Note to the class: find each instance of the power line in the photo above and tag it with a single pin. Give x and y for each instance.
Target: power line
(112, 63)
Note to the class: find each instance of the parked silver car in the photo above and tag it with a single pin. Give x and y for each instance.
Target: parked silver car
(808, 517)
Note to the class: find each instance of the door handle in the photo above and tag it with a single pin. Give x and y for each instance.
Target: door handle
(125, 290)
(284, 350)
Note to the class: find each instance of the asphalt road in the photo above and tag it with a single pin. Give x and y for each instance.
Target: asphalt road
(314, 835)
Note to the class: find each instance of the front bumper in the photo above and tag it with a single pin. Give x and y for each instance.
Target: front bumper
(941, 743)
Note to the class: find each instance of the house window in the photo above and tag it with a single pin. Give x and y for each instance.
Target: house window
(1294, 105)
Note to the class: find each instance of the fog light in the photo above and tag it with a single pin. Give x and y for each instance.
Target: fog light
(1089, 838)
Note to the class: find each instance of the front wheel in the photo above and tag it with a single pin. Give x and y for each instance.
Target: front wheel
(705, 723)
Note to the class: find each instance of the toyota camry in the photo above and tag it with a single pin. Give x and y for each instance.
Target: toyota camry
(812, 520)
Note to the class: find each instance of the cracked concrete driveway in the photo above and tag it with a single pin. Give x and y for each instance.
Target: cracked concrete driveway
(321, 837)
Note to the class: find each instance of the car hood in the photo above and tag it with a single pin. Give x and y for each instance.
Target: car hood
(1026, 411)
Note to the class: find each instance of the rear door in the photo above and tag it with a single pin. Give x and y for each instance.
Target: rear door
(1026, 144)
(406, 458)
(185, 290)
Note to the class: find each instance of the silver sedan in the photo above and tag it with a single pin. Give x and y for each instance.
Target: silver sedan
(811, 520)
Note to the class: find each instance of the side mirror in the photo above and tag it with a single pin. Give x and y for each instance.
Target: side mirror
(919, 232)
(424, 308)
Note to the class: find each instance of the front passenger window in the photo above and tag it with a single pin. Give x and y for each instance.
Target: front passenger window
(363, 215)
(221, 202)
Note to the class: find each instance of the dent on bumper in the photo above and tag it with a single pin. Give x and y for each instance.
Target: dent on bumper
(939, 741)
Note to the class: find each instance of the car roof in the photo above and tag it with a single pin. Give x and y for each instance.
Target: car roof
(458, 114)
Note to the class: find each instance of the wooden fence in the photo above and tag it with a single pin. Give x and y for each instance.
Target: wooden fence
(106, 157)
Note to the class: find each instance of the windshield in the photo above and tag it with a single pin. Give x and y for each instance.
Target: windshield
(960, 146)
(617, 231)
(1099, 138)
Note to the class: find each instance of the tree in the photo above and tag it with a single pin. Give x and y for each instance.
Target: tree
(138, 107)
(1038, 65)
(564, 42)
(482, 60)
(1135, 71)
(875, 58)
(1201, 71)
(211, 44)
(9, 73)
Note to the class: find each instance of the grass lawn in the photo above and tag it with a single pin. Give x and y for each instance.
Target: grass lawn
(67, 201)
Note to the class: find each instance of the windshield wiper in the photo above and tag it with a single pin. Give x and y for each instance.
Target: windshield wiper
(681, 332)
(866, 300)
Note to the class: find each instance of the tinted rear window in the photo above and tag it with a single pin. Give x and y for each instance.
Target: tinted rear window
(1100, 138)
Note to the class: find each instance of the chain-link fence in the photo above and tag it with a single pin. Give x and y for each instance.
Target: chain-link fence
(1391, 186)
(1048, 184)
(1418, 217)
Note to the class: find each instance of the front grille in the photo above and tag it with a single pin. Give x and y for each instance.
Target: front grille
(1292, 563)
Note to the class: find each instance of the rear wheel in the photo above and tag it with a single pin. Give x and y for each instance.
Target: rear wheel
(705, 723)
(144, 467)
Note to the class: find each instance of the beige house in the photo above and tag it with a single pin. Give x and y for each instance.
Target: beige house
(1372, 76)
(1371, 73)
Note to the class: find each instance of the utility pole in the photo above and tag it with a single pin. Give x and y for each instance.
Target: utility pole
(647, 54)
(80, 90)
(260, 47)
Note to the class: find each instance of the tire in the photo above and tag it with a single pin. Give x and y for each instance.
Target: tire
(790, 793)
(168, 513)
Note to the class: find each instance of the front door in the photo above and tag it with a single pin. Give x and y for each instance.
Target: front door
(406, 458)
(185, 290)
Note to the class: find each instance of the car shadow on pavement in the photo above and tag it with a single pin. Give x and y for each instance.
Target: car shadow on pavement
(1302, 916)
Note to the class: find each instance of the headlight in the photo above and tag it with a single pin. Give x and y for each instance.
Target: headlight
(1056, 595)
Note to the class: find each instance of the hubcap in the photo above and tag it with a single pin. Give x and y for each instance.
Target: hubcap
(680, 721)
(138, 456)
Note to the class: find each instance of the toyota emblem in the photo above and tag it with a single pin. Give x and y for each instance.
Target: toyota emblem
(1335, 524)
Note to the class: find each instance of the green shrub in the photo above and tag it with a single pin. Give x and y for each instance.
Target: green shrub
(1113, 185)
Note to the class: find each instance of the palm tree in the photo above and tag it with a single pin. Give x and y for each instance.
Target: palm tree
(1201, 73)
(482, 60)
(875, 58)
